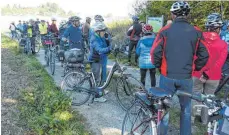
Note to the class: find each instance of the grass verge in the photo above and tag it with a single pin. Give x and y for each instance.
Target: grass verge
(43, 108)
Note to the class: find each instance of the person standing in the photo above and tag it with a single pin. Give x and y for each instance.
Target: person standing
(207, 80)
(135, 34)
(173, 53)
(86, 30)
(12, 30)
(143, 51)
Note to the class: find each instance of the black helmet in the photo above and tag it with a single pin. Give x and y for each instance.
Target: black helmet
(75, 18)
(214, 21)
(98, 18)
(180, 8)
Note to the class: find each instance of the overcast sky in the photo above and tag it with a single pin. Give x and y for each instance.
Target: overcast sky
(86, 7)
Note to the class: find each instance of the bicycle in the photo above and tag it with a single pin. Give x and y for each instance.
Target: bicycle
(148, 115)
(28, 46)
(85, 86)
(50, 52)
(38, 43)
(72, 65)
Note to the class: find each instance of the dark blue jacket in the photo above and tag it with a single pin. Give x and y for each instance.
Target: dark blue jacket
(74, 34)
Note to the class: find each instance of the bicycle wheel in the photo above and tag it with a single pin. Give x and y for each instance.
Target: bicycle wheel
(37, 47)
(52, 62)
(29, 49)
(73, 80)
(138, 123)
(125, 89)
(47, 58)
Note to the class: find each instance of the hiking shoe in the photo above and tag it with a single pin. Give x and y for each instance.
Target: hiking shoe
(101, 99)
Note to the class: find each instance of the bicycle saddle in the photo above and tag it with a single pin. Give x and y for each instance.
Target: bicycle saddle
(158, 92)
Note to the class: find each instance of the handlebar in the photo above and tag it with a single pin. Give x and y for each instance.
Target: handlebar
(209, 100)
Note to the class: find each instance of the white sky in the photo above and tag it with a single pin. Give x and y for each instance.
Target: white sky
(86, 7)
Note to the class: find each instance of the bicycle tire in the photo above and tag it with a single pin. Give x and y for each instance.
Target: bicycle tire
(37, 47)
(29, 49)
(72, 80)
(52, 62)
(124, 94)
(47, 58)
(135, 126)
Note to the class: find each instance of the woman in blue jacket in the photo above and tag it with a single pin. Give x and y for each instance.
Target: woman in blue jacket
(143, 51)
(98, 52)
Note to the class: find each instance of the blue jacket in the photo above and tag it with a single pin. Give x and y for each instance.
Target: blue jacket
(143, 51)
(225, 37)
(25, 27)
(98, 48)
(74, 34)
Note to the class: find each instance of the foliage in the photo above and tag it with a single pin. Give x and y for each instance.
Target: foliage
(199, 10)
(42, 106)
(47, 9)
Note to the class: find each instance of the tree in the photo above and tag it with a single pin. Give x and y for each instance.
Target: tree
(197, 16)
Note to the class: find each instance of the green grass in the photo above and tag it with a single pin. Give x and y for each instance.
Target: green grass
(43, 108)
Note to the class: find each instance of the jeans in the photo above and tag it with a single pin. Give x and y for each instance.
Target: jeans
(185, 103)
(152, 72)
(132, 45)
(13, 34)
(96, 70)
(104, 69)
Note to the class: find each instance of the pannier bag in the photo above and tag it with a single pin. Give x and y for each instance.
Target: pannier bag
(74, 56)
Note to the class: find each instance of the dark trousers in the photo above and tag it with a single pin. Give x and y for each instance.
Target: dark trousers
(32, 40)
(132, 46)
(172, 85)
(152, 72)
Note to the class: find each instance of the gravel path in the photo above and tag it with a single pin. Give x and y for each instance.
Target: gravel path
(103, 118)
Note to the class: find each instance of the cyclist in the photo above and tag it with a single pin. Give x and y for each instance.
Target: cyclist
(53, 28)
(143, 50)
(13, 30)
(20, 26)
(226, 39)
(135, 33)
(98, 48)
(25, 27)
(86, 30)
(207, 80)
(32, 31)
(107, 37)
(43, 28)
(73, 34)
(173, 53)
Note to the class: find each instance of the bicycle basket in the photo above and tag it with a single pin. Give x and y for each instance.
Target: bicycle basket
(74, 56)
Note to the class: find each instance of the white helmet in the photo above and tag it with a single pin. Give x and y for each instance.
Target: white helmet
(99, 26)
(53, 19)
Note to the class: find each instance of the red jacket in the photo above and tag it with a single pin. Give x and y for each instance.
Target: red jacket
(54, 29)
(218, 53)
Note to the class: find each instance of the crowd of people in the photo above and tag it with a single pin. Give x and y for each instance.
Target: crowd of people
(187, 58)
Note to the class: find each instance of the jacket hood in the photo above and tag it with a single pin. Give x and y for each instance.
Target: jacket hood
(211, 36)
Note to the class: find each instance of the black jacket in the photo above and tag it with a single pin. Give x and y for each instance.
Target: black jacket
(175, 48)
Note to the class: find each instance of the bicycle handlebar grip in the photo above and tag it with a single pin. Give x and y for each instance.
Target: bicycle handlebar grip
(198, 97)
(183, 93)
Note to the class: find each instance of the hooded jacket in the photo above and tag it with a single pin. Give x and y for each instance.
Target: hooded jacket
(143, 51)
(217, 49)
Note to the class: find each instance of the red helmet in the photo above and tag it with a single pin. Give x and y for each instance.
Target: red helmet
(147, 28)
